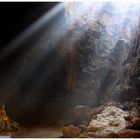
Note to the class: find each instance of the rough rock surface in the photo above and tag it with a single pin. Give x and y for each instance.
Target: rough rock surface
(128, 133)
(71, 131)
(114, 122)
(103, 45)
(84, 113)
(111, 119)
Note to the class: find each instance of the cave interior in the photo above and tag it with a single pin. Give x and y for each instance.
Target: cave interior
(70, 69)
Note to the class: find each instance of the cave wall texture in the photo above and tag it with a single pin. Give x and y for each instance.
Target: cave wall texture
(131, 70)
(104, 40)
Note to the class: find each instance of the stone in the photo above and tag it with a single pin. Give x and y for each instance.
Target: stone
(92, 129)
(84, 135)
(105, 134)
(110, 119)
(116, 104)
(98, 135)
(134, 120)
(128, 133)
(71, 132)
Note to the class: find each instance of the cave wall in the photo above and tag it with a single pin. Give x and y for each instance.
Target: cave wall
(33, 68)
(131, 71)
(103, 42)
(86, 65)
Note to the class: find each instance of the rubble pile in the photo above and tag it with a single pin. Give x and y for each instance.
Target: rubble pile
(112, 120)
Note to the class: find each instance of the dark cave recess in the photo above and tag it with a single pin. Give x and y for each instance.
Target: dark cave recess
(17, 16)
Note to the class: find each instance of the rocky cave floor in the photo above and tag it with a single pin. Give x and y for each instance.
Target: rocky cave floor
(110, 120)
(37, 132)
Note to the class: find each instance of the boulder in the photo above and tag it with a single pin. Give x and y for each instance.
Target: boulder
(97, 110)
(133, 121)
(71, 131)
(111, 119)
(92, 129)
(113, 103)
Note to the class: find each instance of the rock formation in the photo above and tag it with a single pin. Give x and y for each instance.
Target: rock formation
(113, 120)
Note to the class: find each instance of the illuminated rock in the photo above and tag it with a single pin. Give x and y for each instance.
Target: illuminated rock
(112, 119)
(128, 133)
(114, 122)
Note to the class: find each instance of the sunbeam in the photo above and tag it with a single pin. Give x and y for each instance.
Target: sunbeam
(76, 63)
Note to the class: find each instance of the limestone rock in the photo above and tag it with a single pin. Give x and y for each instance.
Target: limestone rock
(71, 131)
(92, 129)
(111, 119)
(128, 133)
(121, 134)
(98, 135)
(113, 122)
(113, 103)
(133, 121)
